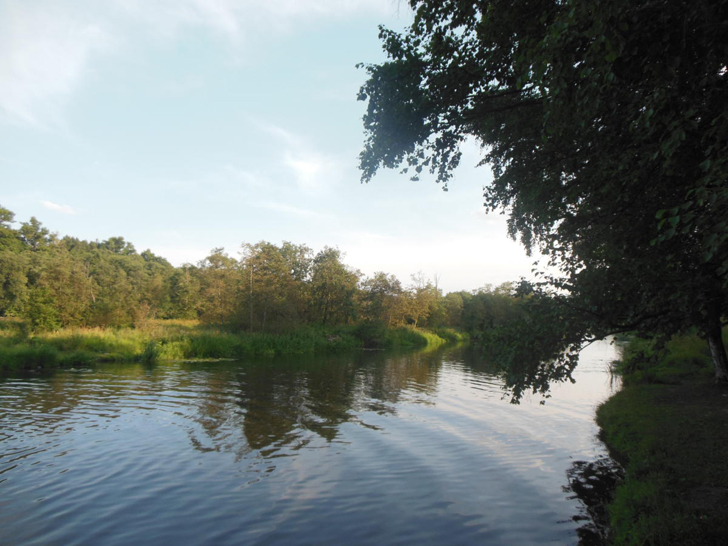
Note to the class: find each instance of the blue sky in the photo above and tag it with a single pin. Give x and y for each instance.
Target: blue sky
(184, 125)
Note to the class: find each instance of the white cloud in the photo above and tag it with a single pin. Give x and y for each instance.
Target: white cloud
(45, 53)
(289, 209)
(169, 17)
(313, 172)
(65, 209)
(226, 182)
(287, 137)
(48, 48)
(237, 19)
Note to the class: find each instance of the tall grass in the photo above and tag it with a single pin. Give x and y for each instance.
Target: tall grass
(646, 361)
(183, 340)
(451, 335)
(410, 337)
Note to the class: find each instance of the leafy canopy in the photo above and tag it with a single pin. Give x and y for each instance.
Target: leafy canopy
(606, 128)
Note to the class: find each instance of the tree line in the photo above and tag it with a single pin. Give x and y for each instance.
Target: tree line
(53, 282)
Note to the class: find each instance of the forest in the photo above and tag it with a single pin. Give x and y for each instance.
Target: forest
(52, 282)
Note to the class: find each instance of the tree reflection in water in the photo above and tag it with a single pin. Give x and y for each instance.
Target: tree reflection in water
(424, 442)
(281, 407)
(593, 483)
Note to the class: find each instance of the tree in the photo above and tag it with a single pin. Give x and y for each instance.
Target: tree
(114, 294)
(9, 238)
(421, 296)
(488, 308)
(64, 278)
(118, 245)
(34, 235)
(452, 305)
(220, 285)
(606, 129)
(184, 293)
(273, 284)
(382, 299)
(333, 288)
(13, 282)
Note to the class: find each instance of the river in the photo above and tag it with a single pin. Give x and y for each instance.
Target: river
(366, 448)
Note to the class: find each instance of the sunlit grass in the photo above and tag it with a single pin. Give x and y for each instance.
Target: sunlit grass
(451, 335)
(187, 340)
(412, 337)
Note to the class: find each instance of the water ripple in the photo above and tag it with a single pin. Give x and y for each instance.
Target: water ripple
(366, 449)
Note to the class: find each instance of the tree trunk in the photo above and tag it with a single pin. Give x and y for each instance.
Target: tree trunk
(717, 350)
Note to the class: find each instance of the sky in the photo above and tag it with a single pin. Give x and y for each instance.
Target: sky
(186, 125)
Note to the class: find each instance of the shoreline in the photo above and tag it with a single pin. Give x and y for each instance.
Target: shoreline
(668, 428)
(195, 342)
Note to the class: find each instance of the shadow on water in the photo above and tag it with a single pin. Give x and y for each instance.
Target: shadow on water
(593, 484)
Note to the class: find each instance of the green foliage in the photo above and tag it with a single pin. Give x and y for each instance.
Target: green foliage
(41, 311)
(450, 335)
(67, 283)
(333, 289)
(184, 287)
(372, 334)
(485, 309)
(409, 337)
(151, 353)
(34, 235)
(538, 346)
(213, 345)
(608, 145)
(375, 335)
(274, 287)
(29, 357)
(9, 238)
(185, 340)
(14, 268)
(382, 297)
(651, 361)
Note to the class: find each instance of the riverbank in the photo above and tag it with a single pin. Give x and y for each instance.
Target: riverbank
(668, 427)
(190, 340)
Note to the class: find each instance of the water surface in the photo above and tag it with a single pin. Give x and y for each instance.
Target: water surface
(368, 448)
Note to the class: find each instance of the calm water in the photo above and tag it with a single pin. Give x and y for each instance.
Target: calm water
(362, 449)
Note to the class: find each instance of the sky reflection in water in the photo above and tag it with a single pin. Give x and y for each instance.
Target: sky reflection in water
(369, 448)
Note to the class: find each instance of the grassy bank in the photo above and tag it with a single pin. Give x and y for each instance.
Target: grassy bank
(668, 426)
(187, 340)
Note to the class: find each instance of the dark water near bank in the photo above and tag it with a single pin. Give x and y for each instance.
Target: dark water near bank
(361, 449)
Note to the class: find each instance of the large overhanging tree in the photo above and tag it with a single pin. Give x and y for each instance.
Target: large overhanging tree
(606, 126)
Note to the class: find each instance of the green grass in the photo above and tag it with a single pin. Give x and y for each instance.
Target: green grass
(669, 428)
(451, 335)
(646, 362)
(378, 336)
(410, 337)
(188, 340)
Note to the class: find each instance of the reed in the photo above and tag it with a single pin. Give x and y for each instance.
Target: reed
(188, 340)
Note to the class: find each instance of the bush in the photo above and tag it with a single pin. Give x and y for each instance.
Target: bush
(373, 335)
(29, 357)
(450, 335)
(151, 352)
